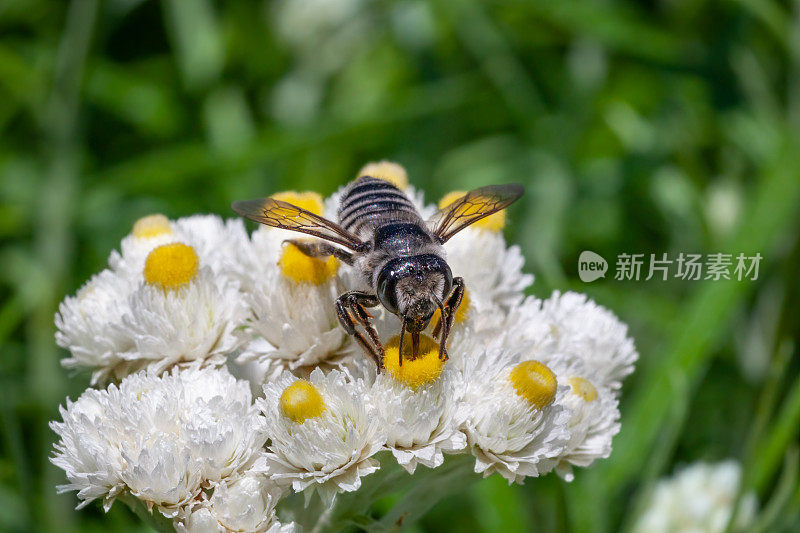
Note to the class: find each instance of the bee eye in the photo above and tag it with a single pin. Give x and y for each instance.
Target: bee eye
(386, 289)
(448, 286)
(388, 298)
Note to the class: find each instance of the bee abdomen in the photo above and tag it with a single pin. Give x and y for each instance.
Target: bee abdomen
(370, 202)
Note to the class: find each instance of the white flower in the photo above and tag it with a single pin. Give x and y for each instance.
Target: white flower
(88, 450)
(221, 421)
(174, 312)
(294, 323)
(420, 423)
(700, 498)
(218, 242)
(85, 321)
(492, 271)
(196, 323)
(163, 439)
(594, 417)
(243, 504)
(527, 330)
(506, 432)
(322, 440)
(590, 333)
(575, 330)
(173, 309)
(593, 405)
(161, 473)
(148, 233)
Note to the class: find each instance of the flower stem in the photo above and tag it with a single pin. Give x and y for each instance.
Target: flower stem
(325, 518)
(420, 492)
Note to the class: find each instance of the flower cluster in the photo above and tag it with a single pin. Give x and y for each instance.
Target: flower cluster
(192, 315)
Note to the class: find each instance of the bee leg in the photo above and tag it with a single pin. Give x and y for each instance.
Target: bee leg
(442, 331)
(318, 248)
(442, 348)
(449, 309)
(350, 310)
(438, 327)
(346, 320)
(400, 347)
(453, 301)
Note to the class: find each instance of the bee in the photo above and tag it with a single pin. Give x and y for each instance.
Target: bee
(399, 255)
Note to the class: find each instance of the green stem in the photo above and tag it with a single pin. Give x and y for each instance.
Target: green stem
(776, 508)
(430, 486)
(53, 237)
(416, 495)
(784, 432)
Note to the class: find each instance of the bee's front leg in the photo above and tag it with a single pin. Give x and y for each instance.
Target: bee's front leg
(451, 305)
(350, 310)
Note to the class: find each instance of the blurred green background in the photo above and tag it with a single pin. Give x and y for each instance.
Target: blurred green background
(639, 127)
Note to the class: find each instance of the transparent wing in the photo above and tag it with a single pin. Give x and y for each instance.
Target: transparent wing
(471, 207)
(280, 214)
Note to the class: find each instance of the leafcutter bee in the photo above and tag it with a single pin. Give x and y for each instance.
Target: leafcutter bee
(400, 256)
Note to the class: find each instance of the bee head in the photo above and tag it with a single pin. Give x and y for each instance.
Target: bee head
(413, 287)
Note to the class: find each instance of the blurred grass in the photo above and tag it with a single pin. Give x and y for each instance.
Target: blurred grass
(636, 127)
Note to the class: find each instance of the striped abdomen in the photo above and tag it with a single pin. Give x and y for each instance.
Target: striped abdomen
(369, 203)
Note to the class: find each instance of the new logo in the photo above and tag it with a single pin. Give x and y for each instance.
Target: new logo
(591, 266)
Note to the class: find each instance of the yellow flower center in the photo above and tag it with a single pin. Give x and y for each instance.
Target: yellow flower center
(387, 171)
(151, 226)
(535, 382)
(583, 388)
(300, 401)
(494, 222)
(414, 372)
(171, 265)
(310, 201)
(461, 312)
(301, 268)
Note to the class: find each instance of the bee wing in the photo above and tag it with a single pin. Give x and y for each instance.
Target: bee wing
(280, 214)
(473, 206)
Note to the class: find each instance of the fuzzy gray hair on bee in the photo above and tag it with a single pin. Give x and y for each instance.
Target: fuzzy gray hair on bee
(399, 255)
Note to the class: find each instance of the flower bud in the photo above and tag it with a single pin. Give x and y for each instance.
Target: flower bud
(387, 171)
(151, 226)
(583, 388)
